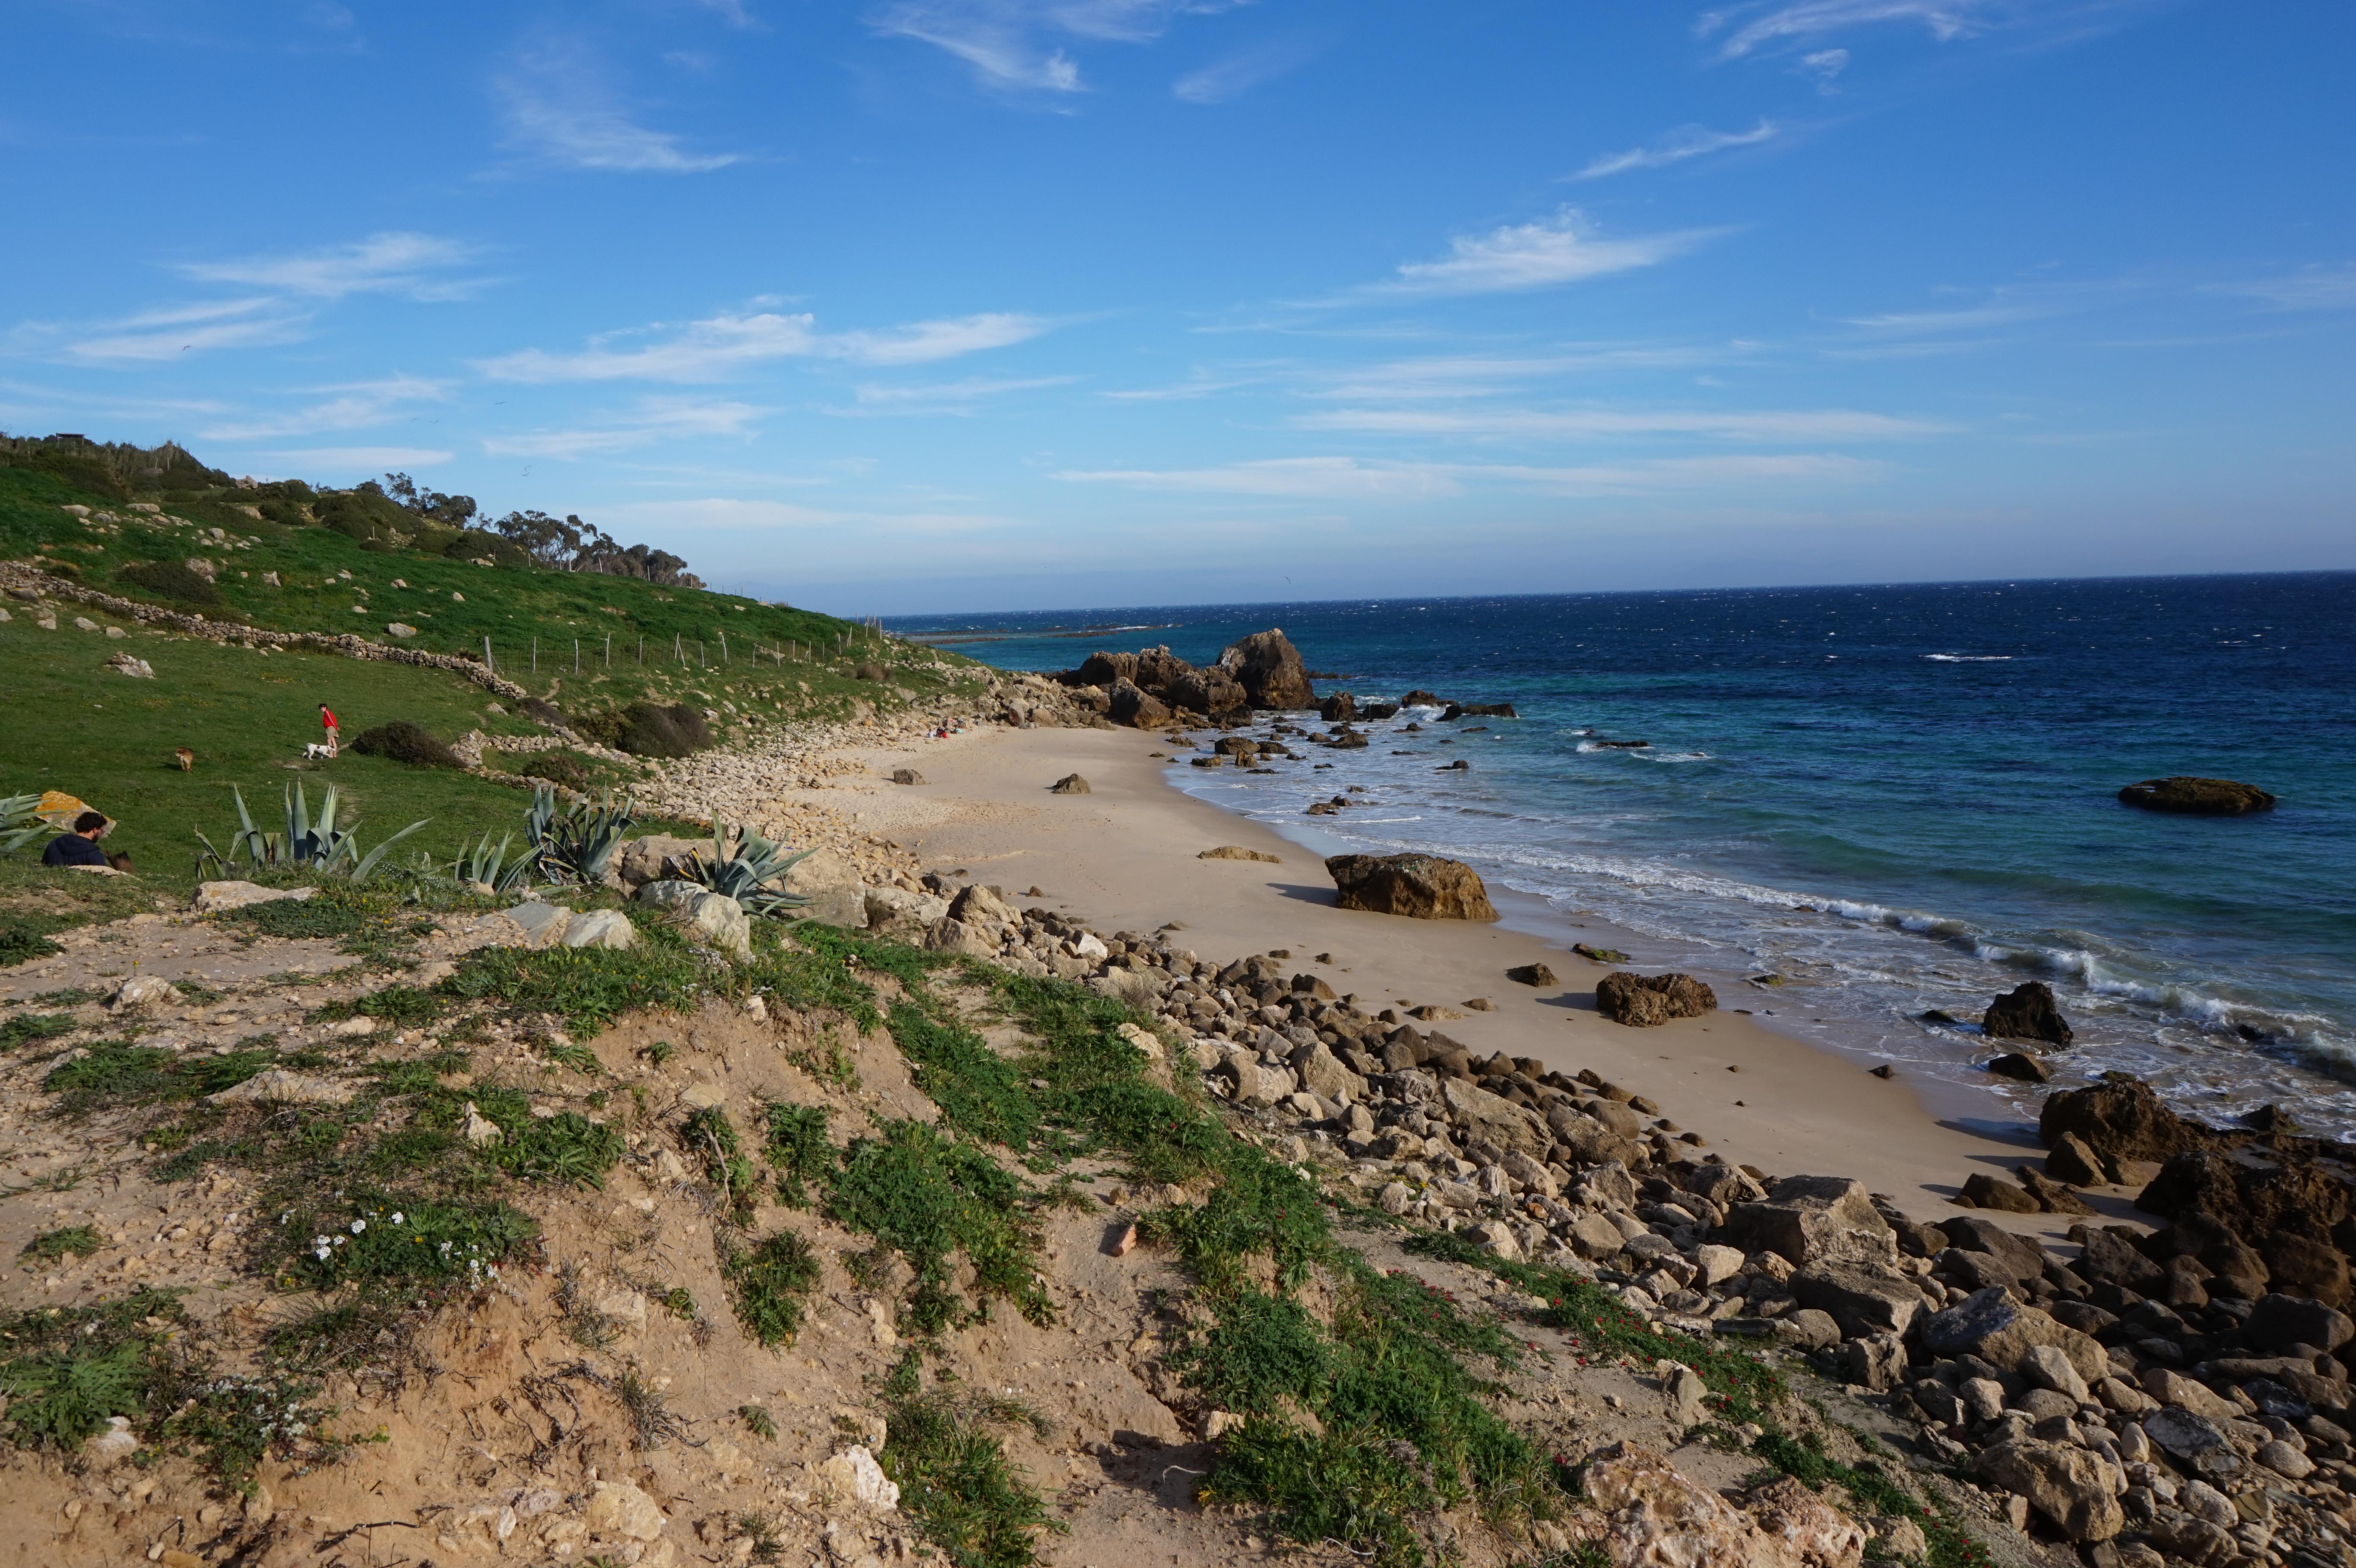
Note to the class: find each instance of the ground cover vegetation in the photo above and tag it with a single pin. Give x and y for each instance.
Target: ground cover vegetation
(665, 669)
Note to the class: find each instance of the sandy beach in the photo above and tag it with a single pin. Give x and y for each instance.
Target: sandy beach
(1125, 857)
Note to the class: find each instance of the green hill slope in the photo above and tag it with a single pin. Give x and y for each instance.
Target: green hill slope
(171, 536)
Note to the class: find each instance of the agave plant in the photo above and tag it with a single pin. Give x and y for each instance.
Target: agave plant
(577, 843)
(488, 863)
(19, 825)
(318, 845)
(745, 872)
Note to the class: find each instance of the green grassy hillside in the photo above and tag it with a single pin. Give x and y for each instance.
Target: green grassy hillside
(78, 725)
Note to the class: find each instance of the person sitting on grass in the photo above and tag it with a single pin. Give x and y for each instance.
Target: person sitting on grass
(79, 847)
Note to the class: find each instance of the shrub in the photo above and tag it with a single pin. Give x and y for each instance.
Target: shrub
(170, 579)
(405, 743)
(649, 729)
(557, 767)
(545, 711)
(767, 1285)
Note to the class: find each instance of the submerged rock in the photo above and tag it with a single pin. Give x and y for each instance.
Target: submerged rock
(2191, 797)
(2028, 1013)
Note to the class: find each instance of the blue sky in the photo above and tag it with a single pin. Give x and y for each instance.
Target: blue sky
(962, 304)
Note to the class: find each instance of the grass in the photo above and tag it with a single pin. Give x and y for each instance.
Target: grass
(926, 1197)
(799, 1152)
(51, 1246)
(767, 1283)
(969, 1501)
(709, 1139)
(247, 714)
(27, 1028)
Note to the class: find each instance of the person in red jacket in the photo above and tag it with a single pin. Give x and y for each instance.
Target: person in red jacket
(327, 722)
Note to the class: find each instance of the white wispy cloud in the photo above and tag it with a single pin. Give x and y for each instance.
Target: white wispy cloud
(367, 459)
(1824, 66)
(724, 344)
(1299, 478)
(560, 111)
(949, 397)
(1757, 425)
(1238, 73)
(653, 420)
(1475, 376)
(1946, 20)
(150, 336)
(395, 262)
(1971, 319)
(2310, 288)
(1360, 479)
(1541, 254)
(1685, 141)
(350, 406)
(1012, 45)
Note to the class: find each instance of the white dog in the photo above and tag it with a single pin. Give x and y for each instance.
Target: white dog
(316, 753)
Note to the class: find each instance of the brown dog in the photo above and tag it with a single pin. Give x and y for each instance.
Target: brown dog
(186, 758)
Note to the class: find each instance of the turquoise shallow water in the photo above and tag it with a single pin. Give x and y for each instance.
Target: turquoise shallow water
(1897, 798)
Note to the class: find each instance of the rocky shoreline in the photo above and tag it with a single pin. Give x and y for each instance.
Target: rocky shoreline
(2177, 1397)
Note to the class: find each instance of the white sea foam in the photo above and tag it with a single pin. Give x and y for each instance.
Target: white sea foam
(1969, 658)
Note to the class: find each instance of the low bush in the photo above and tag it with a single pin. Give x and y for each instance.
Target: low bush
(954, 1476)
(405, 743)
(767, 1283)
(560, 768)
(170, 579)
(649, 729)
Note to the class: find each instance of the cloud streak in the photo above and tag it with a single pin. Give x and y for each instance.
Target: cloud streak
(725, 345)
(1006, 42)
(561, 115)
(354, 406)
(1238, 73)
(654, 419)
(394, 262)
(1752, 425)
(1546, 254)
(1329, 478)
(1685, 141)
(1946, 20)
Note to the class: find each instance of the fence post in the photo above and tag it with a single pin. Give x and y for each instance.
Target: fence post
(535, 656)
(609, 650)
(576, 656)
(723, 647)
(487, 665)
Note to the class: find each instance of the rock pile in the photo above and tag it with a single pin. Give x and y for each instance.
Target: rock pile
(2178, 1397)
(1154, 687)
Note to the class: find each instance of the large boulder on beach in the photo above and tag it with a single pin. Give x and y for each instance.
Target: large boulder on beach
(1484, 1116)
(2190, 796)
(1421, 887)
(1642, 1000)
(1210, 692)
(2074, 1488)
(1269, 667)
(2028, 1013)
(1140, 709)
(2000, 1330)
(2118, 1119)
(1813, 1219)
(2286, 1193)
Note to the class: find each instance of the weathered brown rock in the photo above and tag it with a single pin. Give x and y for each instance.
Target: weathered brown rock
(1210, 692)
(1137, 707)
(1815, 1219)
(1421, 887)
(1070, 783)
(1642, 1001)
(2253, 1195)
(1982, 1190)
(2021, 1066)
(1269, 668)
(1339, 709)
(2120, 1118)
(2070, 1486)
(2191, 797)
(1238, 852)
(1656, 1517)
(1531, 975)
(1990, 1324)
(2028, 1013)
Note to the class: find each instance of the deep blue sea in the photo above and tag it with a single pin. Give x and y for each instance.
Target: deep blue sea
(1895, 798)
